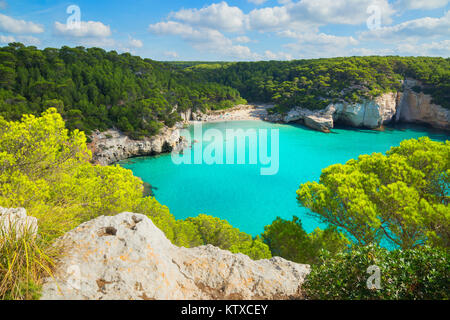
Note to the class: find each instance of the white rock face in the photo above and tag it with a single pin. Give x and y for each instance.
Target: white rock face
(368, 114)
(128, 257)
(408, 106)
(418, 108)
(112, 146)
(17, 221)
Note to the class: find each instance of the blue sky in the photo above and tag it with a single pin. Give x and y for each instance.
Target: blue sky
(234, 30)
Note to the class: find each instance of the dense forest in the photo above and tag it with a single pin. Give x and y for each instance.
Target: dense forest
(315, 83)
(95, 89)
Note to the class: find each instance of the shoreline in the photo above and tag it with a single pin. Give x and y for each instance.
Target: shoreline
(238, 113)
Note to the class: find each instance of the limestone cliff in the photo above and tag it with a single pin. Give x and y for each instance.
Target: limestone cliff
(418, 108)
(407, 106)
(112, 145)
(369, 113)
(128, 257)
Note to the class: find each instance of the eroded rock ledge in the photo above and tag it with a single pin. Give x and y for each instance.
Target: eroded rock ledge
(128, 257)
(112, 145)
(407, 106)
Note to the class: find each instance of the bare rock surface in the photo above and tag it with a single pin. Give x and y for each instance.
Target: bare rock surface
(112, 145)
(369, 113)
(128, 257)
(17, 222)
(418, 108)
(407, 106)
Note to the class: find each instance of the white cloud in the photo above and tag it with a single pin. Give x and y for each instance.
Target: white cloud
(26, 40)
(269, 55)
(135, 43)
(310, 45)
(257, 2)
(270, 18)
(11, 25)
(108, 43)
(204, 39)
(29, 40)
(209, 28)
(7, 39)
(423, 28)
(243, 39)
(171, 54)
(438, 48)
(86, 29)
(218, 16)
(310, 14)
(420, 4)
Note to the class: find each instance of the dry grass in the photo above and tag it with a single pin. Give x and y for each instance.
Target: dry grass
(24, 261)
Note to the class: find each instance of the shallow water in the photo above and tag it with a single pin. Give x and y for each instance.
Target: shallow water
(249, 200)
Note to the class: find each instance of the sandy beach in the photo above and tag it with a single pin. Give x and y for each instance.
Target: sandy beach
(237, 113)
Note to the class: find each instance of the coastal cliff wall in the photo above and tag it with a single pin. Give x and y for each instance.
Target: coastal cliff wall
(127, 257)
(418, 108)
(407, 106)
(112, 145)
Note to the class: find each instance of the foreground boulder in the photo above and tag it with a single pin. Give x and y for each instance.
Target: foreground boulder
(128, 257)
(16, 222)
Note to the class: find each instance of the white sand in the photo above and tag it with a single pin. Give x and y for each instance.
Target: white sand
(238, 113)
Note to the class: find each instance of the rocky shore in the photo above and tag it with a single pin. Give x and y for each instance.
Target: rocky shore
(407, 106)
(127, 257)
(111, 146)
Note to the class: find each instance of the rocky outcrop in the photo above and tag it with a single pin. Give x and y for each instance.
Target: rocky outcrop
(112, 145)
(128, 257)
(409, 106)
(16, 222)
(369, 113)
(418, 108)
(321, 120)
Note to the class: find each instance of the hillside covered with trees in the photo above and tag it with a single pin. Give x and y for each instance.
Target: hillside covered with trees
(315, 83)
(95, 89)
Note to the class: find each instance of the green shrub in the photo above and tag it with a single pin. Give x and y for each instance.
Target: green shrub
(289, 240)
(405, 274)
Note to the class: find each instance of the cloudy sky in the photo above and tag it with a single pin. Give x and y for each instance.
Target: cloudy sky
(233, 30)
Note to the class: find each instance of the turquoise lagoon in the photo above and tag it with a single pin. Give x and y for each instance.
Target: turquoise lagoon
(248, 200)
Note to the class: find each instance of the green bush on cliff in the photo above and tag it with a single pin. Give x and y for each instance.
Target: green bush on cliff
(413, 274)
(289, 240)
(220, 233)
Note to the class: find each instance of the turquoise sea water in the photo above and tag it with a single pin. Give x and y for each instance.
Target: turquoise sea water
(249, 200)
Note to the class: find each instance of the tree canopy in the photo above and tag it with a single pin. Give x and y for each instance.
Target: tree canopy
(313, 84)
(95, 89)
(401, 197)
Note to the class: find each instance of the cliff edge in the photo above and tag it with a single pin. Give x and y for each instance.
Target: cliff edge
(127, 257)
